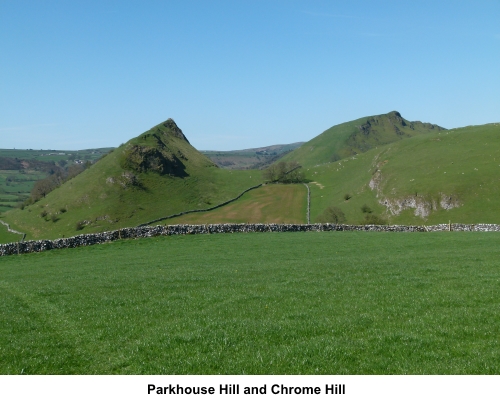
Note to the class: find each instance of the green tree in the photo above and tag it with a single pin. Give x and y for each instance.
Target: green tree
(366, 209)
(332, 215)
(286, 172)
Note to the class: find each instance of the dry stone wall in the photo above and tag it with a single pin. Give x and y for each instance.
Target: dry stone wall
(170, 230)
(9, 229)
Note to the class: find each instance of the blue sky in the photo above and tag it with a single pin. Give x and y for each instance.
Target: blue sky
(239, 74)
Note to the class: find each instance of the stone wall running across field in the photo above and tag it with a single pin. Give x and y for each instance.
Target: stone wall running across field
(13, 230)
(160, 230)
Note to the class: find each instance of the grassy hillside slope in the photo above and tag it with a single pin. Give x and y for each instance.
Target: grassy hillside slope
(434, 178)
(154, 175)
(272, 203)
(8, 237)
(358, 136)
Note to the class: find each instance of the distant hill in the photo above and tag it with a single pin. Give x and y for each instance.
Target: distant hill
(153, 175)
(358, 136)
(54, 156)
(8, 163)
(254, 158)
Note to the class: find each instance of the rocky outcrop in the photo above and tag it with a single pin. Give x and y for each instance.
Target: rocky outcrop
(422, 205)
(159, 159)
(174, 130)
(449, 201)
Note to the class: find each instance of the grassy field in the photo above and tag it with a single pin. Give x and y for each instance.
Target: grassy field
(15, 186)
(272, 203)
(310, 303)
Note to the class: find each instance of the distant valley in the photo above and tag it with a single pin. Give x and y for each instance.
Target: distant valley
(255, 158)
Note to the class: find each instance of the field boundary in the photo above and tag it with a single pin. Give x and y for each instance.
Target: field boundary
(170, 230)
(221, 204)
(204, 209)
(9, 229)
(308, 214)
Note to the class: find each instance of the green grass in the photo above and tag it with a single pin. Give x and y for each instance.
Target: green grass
(8, 237)
(309, 303)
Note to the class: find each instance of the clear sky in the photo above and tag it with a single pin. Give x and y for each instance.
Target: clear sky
(239, 74)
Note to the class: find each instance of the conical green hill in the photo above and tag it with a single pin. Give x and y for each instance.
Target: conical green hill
(358, 136)
(151, 176)
(164, 150)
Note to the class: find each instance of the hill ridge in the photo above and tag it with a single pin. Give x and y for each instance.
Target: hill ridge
(358, 136)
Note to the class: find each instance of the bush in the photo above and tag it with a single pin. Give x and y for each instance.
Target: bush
(332, 215)
(63, 210)
(347, 196)
(80, 225)
(285, 172)
(54, 218)
(366, 209)
(44, 213)
(372, 219)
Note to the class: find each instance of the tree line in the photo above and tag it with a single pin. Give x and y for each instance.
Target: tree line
(58, 176)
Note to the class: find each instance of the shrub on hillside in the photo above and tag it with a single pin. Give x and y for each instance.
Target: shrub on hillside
(335, 157)
(366, 209)
(285, 172)
(347, 196)
(332, 215)
(79, 225)
(372, 219)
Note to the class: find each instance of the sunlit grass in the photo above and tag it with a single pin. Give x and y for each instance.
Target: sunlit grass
(308, 303)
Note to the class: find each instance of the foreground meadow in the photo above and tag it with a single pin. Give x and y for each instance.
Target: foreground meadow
(308, 303)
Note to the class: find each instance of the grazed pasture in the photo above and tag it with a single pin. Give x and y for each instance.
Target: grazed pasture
(310, 303)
